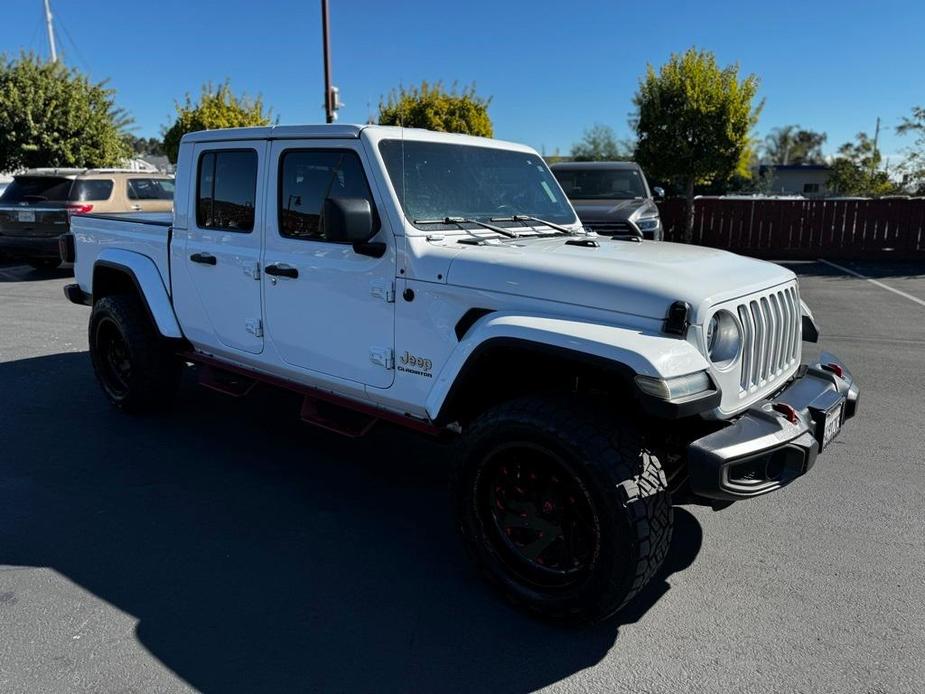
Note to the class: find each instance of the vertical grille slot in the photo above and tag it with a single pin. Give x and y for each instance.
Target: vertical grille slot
(787, 317)
(748, 340)
(770, 337)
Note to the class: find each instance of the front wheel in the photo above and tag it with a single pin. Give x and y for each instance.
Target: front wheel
(563, 509)
(137, 371)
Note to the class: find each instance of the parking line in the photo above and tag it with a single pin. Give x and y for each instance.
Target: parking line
(872, 281)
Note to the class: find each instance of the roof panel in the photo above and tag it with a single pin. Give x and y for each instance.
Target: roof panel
(275, 131)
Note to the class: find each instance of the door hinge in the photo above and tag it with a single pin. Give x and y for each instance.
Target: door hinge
(382, 356)
(384, 290)
(255, 327)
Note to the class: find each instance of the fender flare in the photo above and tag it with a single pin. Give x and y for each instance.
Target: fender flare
(150, 285)
(808, 323)
(633, 351)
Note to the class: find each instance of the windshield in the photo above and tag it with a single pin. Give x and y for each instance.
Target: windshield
(37, 189)
(440, 180)
(602, 184)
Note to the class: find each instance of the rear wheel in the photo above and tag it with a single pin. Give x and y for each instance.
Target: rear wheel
(137, 371)
(565, 510)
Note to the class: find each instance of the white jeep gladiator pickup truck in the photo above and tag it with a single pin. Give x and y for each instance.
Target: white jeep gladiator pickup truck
(443, 282)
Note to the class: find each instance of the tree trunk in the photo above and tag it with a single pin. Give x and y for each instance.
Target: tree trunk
(689, 212)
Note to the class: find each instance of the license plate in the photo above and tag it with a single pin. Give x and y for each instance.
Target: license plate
(26, 216)
(832, 424)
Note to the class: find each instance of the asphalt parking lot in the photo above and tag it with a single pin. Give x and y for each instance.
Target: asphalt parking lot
(227, 547)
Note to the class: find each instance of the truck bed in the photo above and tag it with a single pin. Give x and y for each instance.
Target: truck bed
(146, 233)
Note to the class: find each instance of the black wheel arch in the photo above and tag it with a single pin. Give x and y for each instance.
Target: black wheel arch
(111, 278)
(502, 368)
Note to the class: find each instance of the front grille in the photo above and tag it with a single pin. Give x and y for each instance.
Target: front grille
(771, 339)
(610, 228)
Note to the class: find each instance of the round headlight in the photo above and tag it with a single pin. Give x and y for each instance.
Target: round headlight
(724, 339)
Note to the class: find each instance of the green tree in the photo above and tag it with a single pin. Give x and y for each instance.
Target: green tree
(600, 143)
(791, 144)
(51, 115)
(433, 108)
(913, 166)
(218, 107)
(145, 145)
(856, 170)
(694, 122)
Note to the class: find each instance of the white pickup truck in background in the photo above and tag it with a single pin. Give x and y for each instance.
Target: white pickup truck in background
(443, 283)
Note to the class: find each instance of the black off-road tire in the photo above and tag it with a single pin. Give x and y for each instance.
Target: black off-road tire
(622, 478)
(152, 375)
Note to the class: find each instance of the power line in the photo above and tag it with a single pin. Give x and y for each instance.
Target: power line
(35, 29)
(73, 44)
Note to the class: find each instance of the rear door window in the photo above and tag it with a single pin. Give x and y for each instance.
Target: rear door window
(150, 189)
(227, 190)
(37, 189)
(91, 189)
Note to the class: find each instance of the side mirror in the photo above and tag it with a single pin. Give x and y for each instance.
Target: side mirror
(659, 192)
(347, 220)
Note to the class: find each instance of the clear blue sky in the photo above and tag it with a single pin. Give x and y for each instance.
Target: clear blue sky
(552, 68)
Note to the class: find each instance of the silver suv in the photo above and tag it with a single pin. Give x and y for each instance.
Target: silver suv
(612, 198)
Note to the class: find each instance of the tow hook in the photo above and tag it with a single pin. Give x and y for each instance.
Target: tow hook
(789, 413)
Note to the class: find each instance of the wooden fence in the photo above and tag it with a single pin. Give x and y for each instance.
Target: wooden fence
(804, 228)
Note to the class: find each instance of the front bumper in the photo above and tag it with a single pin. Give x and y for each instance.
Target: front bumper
(777, 439)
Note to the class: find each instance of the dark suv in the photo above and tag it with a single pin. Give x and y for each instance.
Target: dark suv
(611, 197)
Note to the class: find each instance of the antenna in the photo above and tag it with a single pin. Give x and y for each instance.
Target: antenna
(51, 32)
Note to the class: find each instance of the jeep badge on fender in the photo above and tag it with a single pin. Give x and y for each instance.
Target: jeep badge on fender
(413, 362)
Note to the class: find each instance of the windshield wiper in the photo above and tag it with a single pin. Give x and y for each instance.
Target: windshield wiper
(524, 218)
(459, 221)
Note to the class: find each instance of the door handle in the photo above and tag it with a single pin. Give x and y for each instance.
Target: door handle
(281, 270)
(204, 258)
(136, 207)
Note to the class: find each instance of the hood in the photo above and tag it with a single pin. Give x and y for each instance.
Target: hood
(642, 279)
(611, 210)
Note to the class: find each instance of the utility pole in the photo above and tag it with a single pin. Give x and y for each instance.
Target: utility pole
(331, 93)
(873, 159)
(51, 33)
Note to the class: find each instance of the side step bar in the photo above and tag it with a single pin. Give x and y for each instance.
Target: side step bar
(319, 407)
(335, 418)
(225, 381)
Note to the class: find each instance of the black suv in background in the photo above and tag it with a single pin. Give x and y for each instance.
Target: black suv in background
(611, 197)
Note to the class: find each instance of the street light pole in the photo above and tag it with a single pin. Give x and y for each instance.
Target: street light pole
(329, 98)
(51, 33)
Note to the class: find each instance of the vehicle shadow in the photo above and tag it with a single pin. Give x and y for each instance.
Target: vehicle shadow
(260, 554)
(14, 271)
